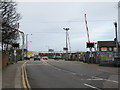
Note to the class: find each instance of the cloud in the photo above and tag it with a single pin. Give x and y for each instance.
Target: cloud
(46, 20)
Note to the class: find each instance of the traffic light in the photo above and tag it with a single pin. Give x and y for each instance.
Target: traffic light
(90, 45)
(15, 45)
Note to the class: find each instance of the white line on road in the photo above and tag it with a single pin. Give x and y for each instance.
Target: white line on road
(91, 86)
(57, 68)
(44, 62)
(96, 79)
(73, 73)
(105, 79)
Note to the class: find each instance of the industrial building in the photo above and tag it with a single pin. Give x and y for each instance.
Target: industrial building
(106, 46)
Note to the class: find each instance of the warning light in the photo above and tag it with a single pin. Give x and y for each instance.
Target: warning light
(90, 44)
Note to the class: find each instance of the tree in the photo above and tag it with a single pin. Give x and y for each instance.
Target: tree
(10, 23)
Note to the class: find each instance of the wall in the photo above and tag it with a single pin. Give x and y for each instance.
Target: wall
(4, 59)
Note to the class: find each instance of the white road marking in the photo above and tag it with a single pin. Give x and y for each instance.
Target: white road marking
(96, 79)
(91, 86)
(57, 68)
(106, 79)
(44, 62)
(73, 73)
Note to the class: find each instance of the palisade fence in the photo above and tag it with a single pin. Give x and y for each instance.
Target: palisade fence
(97, 57)
(15, 55)
(11, 56)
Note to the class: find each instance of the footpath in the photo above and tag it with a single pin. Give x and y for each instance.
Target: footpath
(11, 76)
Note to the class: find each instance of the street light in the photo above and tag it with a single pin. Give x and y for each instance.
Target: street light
(27, 45)
(66, 29)
(23, 39)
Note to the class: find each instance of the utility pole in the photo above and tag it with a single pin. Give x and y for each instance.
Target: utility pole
(23, 44)
(66, 29)
(26, 45)
(115, 23)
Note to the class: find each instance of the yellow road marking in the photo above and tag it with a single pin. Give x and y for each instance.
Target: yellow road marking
(25, 81)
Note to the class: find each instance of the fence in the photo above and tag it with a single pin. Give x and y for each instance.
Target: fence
(9, 57)
(107, 58)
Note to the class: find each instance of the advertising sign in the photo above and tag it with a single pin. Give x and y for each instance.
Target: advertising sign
(103, 49)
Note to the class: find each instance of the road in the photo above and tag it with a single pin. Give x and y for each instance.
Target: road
(70, 74)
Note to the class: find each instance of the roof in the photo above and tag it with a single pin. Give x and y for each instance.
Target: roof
(106, 43)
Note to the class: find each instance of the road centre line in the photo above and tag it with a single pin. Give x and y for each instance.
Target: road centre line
(91, 86)
(62, 69)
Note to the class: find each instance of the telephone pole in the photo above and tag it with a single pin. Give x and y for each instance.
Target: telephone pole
(66, 29)
(115, 23)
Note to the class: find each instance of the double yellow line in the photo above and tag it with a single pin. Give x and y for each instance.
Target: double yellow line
(25, 81)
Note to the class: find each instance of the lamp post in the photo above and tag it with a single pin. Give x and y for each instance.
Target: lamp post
(23, 39)
(115, 23)
(66, 29)
(27, 45)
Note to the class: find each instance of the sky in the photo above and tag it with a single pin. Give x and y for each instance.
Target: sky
(44, 22)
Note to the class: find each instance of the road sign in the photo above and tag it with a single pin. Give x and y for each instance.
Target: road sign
(30, 53)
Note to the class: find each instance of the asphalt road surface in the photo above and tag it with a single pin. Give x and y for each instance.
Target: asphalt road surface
(70, 74)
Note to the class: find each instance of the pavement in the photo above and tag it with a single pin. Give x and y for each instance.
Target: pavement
(11, 76)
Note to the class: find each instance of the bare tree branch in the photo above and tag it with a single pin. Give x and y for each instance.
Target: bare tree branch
(10, 19)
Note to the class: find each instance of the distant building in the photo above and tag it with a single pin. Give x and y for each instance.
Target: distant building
(106, 46)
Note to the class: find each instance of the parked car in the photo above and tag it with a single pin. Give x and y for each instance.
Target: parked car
(45, 58)
(36, 57)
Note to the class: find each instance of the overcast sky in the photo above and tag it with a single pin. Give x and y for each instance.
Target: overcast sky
(46, 20)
